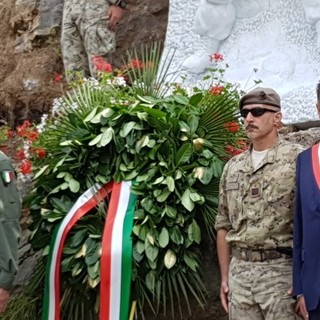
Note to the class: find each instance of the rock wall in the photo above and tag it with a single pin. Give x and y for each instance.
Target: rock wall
(30, 55)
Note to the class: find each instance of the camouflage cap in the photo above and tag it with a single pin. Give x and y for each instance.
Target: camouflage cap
(261, 96)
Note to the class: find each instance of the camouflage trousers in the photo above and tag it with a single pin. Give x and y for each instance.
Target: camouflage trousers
(259, 290)
(84, 35)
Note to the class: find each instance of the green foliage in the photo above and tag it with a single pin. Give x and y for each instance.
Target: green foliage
(173, 146)
(21, 306)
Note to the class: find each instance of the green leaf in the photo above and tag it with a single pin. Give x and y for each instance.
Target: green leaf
(190, 262)
(186, 200)
(183, 154)
(175, 235)
(181, 99)
(127, 128)
(94, 255)
(196, 99)
(151, 251)
(106, 113)
(74, 185)
(194, 232)
(94, 270)
(95, 140)
(151, 280)
(164, 238)
(217, 167)
(140, 247)
(171, 211)
(40, 172)
(193, 123)
(170, 183)
(142, 143)
(90, 116)
(164, 195)
(78, 237)
(106, 137)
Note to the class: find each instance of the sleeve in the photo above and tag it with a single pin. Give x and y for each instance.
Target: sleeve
(10, 211)
(222, 218)
(297, 236)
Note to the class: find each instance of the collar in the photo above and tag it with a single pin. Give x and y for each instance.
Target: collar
(269, 158)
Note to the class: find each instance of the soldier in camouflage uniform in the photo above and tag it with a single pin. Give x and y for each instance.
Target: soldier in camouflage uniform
(255, 217)
(10, 211)
(88, 31)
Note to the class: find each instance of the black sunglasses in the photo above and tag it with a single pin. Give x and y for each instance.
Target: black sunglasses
(256, 112)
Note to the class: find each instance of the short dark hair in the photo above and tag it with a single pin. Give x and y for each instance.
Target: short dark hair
(318, 92)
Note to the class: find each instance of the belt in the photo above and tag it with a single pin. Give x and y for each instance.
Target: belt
(253, 255)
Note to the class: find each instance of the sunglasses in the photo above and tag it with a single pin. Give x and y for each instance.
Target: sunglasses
(256, 112)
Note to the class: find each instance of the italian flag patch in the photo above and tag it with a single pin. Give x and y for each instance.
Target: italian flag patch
(7, 176)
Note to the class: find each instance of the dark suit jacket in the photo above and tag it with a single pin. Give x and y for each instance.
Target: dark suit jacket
(306, 242)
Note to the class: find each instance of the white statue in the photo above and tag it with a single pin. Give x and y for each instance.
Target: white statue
(278, 38)
(312, 11)
(213, 21)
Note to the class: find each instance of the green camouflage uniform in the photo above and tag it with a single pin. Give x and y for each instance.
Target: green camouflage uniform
(256, 208)
(85, 34)
(10, 211)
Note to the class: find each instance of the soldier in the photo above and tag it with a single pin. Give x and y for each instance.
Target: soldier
(255, 217)
(88, 31)
(10, 211)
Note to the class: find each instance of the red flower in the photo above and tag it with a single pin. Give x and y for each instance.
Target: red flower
(216, 57)
(41, 153)
(233, 151)
(136, 64)
(57, 77)
(21, 131)
(10, 134)
(232, 126)
(20, 155)
(101, 65)
(242, 144)
(26, 124)
(216, 90)
(25, 166)
(33, 135)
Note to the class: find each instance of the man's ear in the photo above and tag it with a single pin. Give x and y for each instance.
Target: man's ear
(278, 117)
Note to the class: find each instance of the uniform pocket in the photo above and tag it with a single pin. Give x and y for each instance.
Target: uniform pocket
(99, 40)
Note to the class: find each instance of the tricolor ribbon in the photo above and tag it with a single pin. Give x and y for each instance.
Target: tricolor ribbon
(116, 255)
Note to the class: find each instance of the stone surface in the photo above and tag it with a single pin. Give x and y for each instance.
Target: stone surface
(270, 36)
(30, 56)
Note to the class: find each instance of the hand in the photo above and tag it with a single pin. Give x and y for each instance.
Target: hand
(224, 290)
(4, 298)
(301, 309)
(115, 14)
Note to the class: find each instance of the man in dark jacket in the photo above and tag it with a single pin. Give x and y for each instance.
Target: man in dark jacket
(306, 244)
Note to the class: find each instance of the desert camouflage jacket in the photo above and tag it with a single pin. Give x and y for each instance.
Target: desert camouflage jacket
(256, 206)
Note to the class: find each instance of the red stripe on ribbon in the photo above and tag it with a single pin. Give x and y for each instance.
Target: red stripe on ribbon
(106, 254)
(91, 203)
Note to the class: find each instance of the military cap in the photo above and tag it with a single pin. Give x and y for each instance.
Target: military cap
(261, 96)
